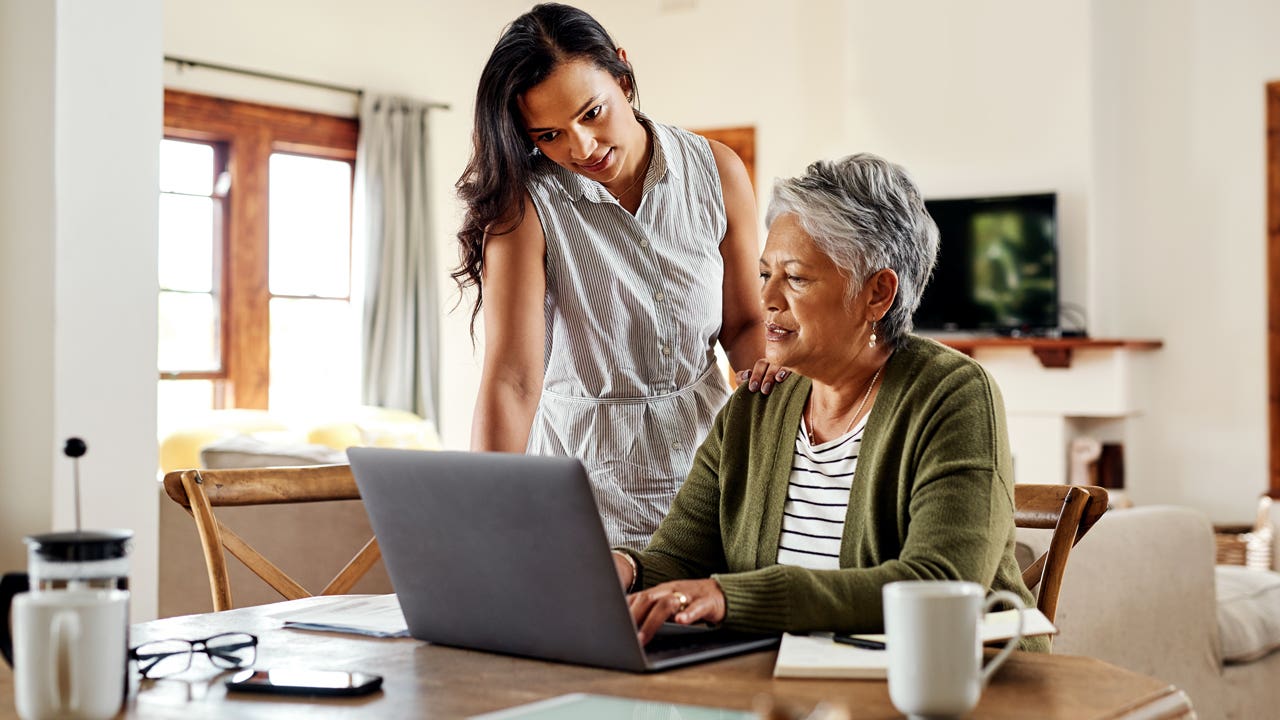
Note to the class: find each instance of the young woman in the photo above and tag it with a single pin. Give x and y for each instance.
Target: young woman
(610, 254)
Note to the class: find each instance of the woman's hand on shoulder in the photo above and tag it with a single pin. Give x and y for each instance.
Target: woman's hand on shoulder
(682, 601)
(763, 376)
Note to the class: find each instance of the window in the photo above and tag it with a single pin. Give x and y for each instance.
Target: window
(255, 259)
(190, 253)
(314, 329)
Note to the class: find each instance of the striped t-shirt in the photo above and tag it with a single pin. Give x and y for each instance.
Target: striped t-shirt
(818, 499)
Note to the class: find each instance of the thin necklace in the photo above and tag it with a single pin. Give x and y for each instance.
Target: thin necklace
(639, 176)
(861, 405)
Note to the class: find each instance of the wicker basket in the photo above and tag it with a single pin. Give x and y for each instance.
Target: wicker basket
(1247, 546)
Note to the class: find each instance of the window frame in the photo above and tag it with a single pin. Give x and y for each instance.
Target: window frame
(248, 134)
(221, 246)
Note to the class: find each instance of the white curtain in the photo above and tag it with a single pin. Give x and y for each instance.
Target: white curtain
(401, 318)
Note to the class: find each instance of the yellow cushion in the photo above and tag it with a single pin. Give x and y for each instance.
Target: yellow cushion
(180, 450)
(379, 427)
(338, 436)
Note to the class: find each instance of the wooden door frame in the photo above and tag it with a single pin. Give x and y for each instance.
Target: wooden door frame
(1273, 284)
(741, 140)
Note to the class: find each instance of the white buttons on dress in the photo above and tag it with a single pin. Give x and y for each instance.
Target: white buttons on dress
(666, 349)
(644, 243)
(659, 296)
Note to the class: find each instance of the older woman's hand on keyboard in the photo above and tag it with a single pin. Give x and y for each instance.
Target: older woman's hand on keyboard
(682, 601)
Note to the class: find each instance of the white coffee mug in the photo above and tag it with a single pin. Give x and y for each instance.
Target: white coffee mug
(933, 637)
(69, 653)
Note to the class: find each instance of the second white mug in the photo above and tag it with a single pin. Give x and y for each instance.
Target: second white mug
(933, 637)
(70, 653)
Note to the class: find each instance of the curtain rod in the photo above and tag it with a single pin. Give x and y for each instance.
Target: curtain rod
(358, 92)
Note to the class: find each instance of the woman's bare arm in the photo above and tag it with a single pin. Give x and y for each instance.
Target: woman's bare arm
(515, 282)
(742, 328)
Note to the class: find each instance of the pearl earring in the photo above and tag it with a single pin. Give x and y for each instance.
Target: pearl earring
(872, 342)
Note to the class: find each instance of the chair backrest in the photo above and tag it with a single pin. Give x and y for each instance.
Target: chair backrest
(199, 491)
(1069, 511)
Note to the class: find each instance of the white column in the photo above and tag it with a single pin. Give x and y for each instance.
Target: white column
(80, 121)
(109, 115)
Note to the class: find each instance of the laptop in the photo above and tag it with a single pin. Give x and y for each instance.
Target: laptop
(506, 553)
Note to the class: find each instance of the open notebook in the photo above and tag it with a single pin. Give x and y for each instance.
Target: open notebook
(818, 656)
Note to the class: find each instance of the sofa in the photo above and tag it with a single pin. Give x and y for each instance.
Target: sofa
(1141, 591)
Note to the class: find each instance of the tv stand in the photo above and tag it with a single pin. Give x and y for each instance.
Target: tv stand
(1052, 352)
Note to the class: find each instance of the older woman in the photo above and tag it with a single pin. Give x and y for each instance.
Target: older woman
(885, 457)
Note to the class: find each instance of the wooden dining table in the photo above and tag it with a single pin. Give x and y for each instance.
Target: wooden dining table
(423, 680)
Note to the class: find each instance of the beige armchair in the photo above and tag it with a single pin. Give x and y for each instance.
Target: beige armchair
(1142, 592)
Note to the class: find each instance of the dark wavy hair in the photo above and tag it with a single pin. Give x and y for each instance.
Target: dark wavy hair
(502, 155)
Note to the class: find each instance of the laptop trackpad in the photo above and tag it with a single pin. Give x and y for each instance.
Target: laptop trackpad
(671, 628)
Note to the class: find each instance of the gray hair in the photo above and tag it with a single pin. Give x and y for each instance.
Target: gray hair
(866, 214)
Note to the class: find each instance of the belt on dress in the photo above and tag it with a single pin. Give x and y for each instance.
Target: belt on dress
(712, 371)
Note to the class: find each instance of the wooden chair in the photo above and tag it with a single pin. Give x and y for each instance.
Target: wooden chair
(199, 491)
(1068, 510)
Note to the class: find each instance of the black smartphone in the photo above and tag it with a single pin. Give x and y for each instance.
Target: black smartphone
(289, 681)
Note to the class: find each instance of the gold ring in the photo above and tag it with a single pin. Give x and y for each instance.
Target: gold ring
(683, 600)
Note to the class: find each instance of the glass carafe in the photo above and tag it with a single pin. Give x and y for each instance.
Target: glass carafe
(84, 560)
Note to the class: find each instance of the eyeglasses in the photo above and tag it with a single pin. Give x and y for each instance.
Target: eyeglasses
(170, 657)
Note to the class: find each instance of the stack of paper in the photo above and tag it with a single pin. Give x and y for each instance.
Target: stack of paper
(373, 615)
(818, 656)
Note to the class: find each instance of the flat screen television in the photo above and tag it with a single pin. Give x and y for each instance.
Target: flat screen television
(997, 267)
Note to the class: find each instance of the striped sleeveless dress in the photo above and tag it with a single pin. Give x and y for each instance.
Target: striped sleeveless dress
(633, 313)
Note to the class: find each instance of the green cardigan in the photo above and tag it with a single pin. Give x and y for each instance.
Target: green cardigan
(932, 498)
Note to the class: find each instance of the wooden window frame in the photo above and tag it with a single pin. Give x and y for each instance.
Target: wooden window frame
(249, 133)
(220, 231)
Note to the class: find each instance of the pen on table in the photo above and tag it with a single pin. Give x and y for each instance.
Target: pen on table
(858, 642)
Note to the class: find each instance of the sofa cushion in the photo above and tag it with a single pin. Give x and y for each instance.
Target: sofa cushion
(385, 428)
(248, 451)
(1248, 612)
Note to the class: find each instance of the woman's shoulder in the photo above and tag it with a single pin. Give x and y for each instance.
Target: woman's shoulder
(926, 356)
(681, 146)
(924, 365)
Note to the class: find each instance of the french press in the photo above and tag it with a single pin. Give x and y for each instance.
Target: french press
(63, 561)
(67, 561)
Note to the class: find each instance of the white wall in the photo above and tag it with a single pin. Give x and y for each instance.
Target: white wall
(26, 274)
(79, 125)
(726, 63)
(1145, 115)
(1181, 223)
(980, 97)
